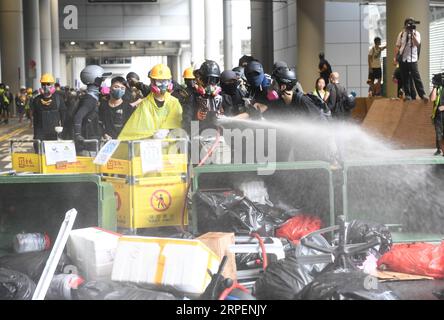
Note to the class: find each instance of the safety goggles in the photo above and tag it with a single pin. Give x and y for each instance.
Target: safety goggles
(162, 83)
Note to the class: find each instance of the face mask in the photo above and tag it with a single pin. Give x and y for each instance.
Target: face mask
(256, 79)
(272, 95)
(190, 83)
(229, 88)
(117, 93)
(47, 90)
(209, 91)
(161, 86)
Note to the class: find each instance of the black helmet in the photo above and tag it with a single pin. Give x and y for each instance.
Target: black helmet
(228, 75)
(285, 75)
(244, 60)
(254, 67)
(209, 69)
(240, 73)
(279, 64)
(132, 75)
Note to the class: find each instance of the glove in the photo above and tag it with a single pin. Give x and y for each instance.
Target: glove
(79, 138)
(161, 134)
(201, 115)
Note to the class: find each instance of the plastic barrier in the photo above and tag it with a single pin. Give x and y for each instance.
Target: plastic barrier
(148, 199)
(32, 162)
(307, 185)
(402, 193)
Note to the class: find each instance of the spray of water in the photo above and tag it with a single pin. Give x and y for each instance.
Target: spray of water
(408, 196)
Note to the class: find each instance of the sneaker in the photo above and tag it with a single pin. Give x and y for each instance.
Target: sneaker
(437, 152)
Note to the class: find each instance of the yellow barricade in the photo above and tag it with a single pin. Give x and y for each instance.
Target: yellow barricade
(26, 162)
(149, 202)
(83, 165)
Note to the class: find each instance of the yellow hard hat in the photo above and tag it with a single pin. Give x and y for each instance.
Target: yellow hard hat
(29, 91)
(47, 78)
(160, 72)
(189, 73)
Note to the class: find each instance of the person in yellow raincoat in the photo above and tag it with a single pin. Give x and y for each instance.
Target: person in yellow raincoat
(158, 113)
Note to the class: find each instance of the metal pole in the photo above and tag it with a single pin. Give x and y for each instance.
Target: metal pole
(228, 35)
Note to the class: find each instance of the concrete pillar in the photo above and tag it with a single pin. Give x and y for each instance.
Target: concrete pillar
(262, 33)
(31, 23)
(78, 64)
(211, 39)
(197, 31)
(185, 61)
(63, 76)
(310, 39)
(45, 36)
(12, 44)
(173, 63)
(228, 35)
(397, 12)
(55, 39)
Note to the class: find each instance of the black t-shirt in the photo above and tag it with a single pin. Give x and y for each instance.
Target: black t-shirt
(113, 119)
(159, 103)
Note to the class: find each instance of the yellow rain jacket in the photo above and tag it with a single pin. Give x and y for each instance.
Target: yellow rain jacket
(148, 118)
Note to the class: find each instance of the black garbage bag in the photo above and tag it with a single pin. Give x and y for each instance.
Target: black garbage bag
(284, 279)
(344, 284)
(15, 285)
(359, 231)
(95, 290)
(227, 211)
(109, 290)
(31, 263)
(129, 293)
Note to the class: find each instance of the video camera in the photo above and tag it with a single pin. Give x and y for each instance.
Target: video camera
(410, 24)
(438, 80)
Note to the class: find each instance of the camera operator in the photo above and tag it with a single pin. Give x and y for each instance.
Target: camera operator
(407, 52)
(438, 109)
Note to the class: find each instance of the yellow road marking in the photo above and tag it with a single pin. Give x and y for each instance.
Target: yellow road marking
(13, 133)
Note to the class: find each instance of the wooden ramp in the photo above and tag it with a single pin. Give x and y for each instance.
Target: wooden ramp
(408, 124)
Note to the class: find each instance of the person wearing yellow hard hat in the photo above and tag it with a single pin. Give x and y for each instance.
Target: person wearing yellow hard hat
(187, 89)
(48, 110)
(158, 113)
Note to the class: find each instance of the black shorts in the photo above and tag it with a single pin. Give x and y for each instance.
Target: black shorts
(376, 74)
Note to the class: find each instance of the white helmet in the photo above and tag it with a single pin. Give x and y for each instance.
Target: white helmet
(93, 74)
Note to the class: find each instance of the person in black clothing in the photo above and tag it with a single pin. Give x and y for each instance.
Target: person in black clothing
(48, 109)
(115, 112)
(339, 102)
(324, 68)
(232, 92)
(86, 119)
(257, 83)
(288, 106)
(136, 88)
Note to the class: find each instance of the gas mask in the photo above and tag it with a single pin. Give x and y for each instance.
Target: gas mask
(161, 86)
(208, 87)
(47, 89)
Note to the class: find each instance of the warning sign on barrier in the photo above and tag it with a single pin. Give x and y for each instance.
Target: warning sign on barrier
(161, 200)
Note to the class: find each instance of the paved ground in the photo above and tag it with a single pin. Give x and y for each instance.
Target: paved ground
(12, 130)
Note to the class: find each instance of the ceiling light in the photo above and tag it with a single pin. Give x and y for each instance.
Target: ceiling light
(101, 43)
(72, 43)
(159, 42)
(131, 42)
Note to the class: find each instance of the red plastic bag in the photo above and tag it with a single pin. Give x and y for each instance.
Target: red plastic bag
(295, 228)
(423, 259)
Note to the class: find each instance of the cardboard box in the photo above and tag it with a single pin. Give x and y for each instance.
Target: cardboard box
(219, 243)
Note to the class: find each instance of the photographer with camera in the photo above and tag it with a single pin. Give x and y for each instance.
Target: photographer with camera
(438, 110)
(407, 51)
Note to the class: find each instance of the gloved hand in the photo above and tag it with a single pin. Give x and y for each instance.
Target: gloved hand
(79, 138)
(161, 134)
(201, 115)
